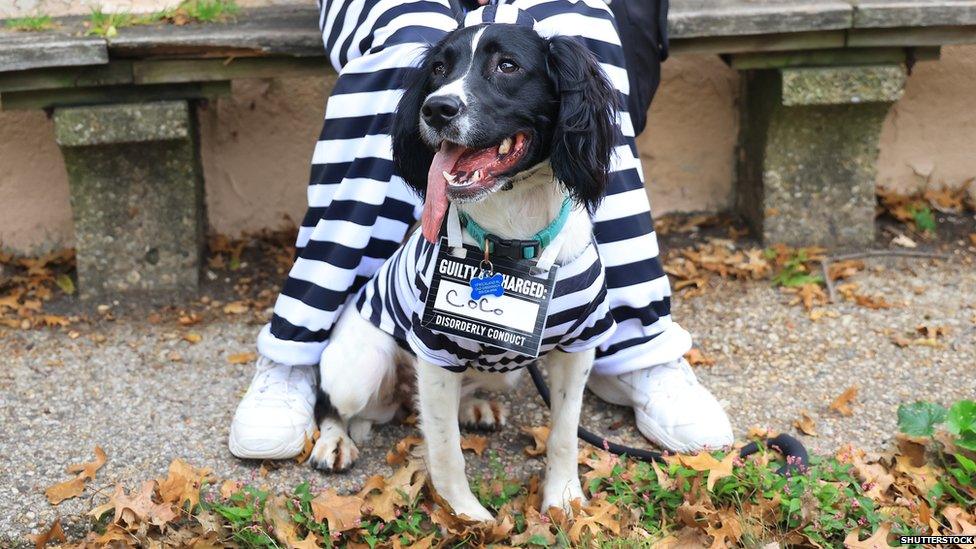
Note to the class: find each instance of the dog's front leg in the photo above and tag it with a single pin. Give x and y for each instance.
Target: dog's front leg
(567, 376)
(439, 394)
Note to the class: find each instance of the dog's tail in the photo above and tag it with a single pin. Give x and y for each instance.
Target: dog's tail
(797, 458)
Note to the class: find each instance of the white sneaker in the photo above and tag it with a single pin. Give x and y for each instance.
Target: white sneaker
(276, 413)
(672, 408)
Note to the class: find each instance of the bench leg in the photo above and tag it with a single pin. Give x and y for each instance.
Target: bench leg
(808, 152)
(136, 195)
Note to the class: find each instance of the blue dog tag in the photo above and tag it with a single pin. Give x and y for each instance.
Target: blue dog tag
(488, 285)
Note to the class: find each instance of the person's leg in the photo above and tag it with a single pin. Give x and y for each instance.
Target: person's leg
(358, 212)
(641, 365)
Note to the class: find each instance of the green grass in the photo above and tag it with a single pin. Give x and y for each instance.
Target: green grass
(101, 23)
(33, 23)
(209, 11)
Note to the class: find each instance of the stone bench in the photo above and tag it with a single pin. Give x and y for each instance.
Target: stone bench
(818, 79)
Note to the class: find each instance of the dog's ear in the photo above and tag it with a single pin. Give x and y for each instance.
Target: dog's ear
(411, 156)
(585, 131)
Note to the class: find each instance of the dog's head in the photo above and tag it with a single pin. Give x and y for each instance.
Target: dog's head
(492, 101)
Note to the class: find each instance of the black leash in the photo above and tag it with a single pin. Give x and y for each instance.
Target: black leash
(797, 459)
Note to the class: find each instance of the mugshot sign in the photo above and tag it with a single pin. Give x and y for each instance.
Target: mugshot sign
(513, 320)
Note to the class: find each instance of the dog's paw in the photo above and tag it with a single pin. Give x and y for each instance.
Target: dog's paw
(334, 451)
(471, 509)
(562, 494)
(480, 414)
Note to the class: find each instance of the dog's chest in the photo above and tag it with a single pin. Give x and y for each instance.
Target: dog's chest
(577, 318)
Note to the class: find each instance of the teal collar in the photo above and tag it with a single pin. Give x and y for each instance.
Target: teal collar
(518, 249)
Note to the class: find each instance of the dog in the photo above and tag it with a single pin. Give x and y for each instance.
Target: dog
(508, 126)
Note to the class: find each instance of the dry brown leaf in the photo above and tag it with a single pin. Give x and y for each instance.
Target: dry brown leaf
(398, 490)
(805, 424)
(809, 295)
(878, 540)
(307, 446)
(728, 534)
(475, 443)
(276, 512)
(703, 461)
(139, 507)
(192, 338)
(65, 490)
(230, 487)
(399, 453)
(599, 519)
(539, 436)
(242, 358)
(535, 525)
(696, 358)
(842, 404)
(53, 533)
(601, 466)
(845, 269)
(236, 308)
(342, 512)
(87, 470)
(182, 484)
(972, 239)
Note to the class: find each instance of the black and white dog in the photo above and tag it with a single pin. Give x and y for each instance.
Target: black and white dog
(504, 124)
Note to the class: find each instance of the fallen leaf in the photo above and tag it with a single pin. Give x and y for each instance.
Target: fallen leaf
(53, 533)
(806, 424)
(399, 453)
(539, 436)
(475, 443)
(599, 518)
(398, 490)
(65, 283)
(904, 241)
(842, 404)
(236, 308)
(878, 540)
(703, 461)
(242, 358)
(696, 358)
(192, 338)
(230, 487)
(139, 507)
(307, 446)
(342, 512)
(88, 470)
(182, 484)
(65, 490)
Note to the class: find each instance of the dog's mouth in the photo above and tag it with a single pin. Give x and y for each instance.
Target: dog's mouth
(461, 173)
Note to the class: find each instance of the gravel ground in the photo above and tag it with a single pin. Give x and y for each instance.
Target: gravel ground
(117, 386)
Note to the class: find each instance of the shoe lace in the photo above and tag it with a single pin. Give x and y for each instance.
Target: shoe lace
(277, 376)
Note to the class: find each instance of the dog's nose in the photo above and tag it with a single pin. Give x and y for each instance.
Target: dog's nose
(439, 110)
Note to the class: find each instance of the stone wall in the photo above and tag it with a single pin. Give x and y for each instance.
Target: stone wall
(256, 146)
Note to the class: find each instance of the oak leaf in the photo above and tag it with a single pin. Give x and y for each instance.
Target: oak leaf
(65, 490)
(182, 484)
(842, 404)
(399, 490)
(475, 443)
(703, 461)
(806, 424)
(53, 533)
(599, 517)
(139, 507)
(878, 540)
(398, 454)
(696, 358)
(87, 470)
(342, 512)
(539, 435)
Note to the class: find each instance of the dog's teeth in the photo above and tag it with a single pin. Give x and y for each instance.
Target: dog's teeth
(476, 175)
(505, 146)
(450, 178)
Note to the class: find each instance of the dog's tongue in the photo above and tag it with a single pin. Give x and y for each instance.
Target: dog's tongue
(435, 206)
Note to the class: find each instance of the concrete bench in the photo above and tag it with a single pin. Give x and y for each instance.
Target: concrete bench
(818, 79)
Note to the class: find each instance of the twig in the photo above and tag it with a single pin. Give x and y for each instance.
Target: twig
(895, 253)
(825, 263)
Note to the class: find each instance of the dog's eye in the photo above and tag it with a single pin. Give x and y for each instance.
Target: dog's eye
(438, 68)
(507, 66)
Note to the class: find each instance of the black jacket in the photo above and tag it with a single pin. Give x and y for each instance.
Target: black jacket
(643, 27)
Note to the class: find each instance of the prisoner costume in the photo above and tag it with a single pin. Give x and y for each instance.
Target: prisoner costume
(578, 318)
(360, 210)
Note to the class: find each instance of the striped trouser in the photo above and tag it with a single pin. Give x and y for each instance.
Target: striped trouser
(359, 210)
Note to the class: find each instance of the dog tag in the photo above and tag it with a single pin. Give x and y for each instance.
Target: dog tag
(487, 285)
(506, 309)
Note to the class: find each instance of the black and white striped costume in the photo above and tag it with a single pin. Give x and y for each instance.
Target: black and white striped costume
(578, 318)
(359, 210)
